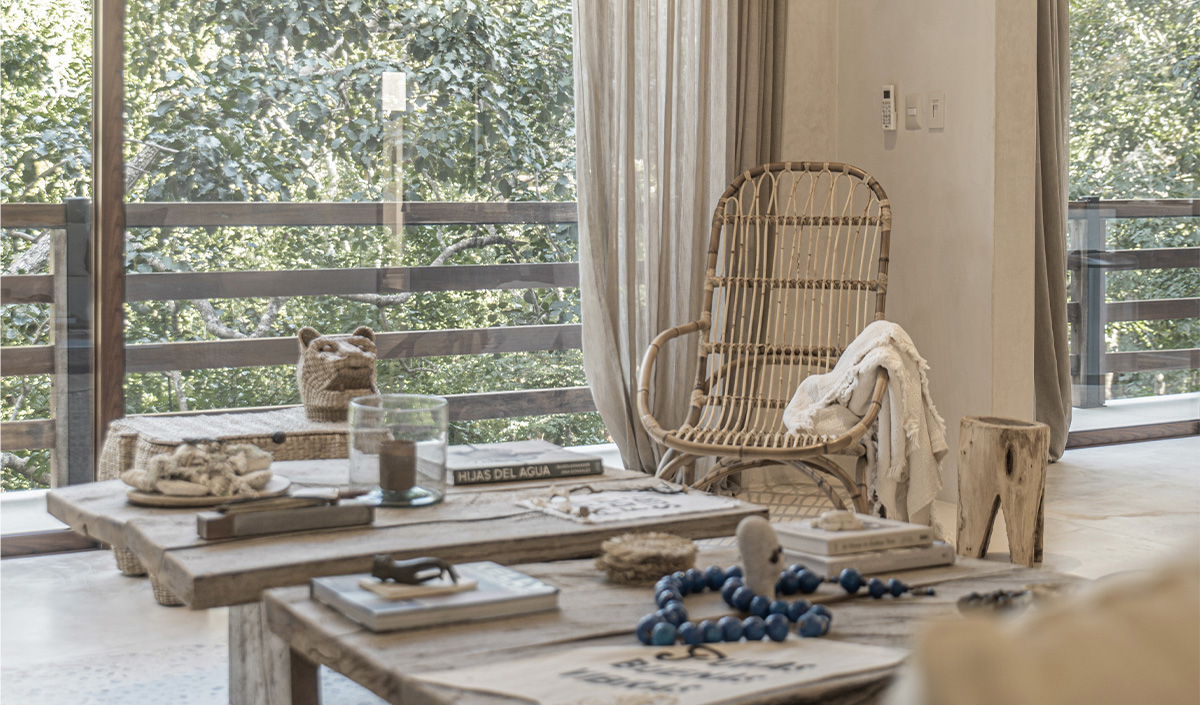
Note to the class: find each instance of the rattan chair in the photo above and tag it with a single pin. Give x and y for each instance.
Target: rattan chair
(797, 267)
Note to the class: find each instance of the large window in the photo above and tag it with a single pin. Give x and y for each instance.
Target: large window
(267, 147)
(1135, 226)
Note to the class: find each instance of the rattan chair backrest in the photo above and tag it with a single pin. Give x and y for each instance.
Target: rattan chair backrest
(797, 267)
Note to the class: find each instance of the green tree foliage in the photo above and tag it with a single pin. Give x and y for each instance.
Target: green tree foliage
(279, 101)
(1135, 133)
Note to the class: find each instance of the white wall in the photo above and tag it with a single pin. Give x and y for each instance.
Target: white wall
(961, 275)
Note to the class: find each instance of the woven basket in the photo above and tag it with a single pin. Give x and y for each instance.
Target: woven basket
(128, 563)
(164, 596)
(287, 434)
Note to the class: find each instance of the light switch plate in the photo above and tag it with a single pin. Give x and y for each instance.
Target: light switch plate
(912, 111)
(937, 110)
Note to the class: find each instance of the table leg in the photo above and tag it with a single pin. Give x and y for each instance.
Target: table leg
(260, 663)
(305, 681)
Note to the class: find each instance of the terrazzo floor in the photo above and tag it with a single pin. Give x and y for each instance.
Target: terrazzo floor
(74, 631)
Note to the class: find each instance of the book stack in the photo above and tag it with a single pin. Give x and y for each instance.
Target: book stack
(485, 590)
(882, 545)
(517, 461)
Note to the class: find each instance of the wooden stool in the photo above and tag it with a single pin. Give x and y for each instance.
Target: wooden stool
(1002, 462)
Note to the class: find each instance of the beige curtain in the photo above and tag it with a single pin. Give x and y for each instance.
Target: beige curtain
(1052, 367)
(657, 96)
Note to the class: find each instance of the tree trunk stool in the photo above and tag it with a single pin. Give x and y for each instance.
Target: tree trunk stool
(1002, 462)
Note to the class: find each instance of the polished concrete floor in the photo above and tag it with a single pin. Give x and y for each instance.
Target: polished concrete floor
(74, 631)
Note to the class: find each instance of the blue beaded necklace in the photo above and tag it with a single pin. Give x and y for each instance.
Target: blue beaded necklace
(771, 619)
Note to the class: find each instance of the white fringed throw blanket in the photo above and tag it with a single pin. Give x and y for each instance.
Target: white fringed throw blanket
(910, 435)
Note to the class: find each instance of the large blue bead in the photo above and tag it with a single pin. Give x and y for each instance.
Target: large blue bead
(645, 626)
(673, 613)
(788, 583)
(731, 628)
(685, 585)
(760, 606)
(710, 630)
(850, 580)
(821, 610)
(896, 587)
(663, 634)
(728, 587)
(795, 568)
(809, 581)
(777, 627)
(812, 624)
(734, 571)
(797, 610)
(689, 633)
(741, 599)
(754, 628)
(662, 597)
(714, 577)
(778, 607)
(665, 583)
(696, 580)
(876, 587)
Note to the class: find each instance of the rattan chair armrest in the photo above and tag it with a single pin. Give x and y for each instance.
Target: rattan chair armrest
(859, 429)
(647, 372)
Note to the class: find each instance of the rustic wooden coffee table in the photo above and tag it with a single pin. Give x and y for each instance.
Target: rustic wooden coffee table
(474, 523)
(594, 612)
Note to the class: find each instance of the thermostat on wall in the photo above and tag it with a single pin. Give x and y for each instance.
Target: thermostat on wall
(889, 107)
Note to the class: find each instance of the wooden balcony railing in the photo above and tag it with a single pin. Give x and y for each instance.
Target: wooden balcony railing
(1088, 311)
(56, 288)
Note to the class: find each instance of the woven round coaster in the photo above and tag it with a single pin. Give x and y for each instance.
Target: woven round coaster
(639, 559)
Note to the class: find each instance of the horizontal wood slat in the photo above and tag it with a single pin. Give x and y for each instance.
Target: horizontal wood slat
(1149, 310)
(253, 352)
(533, 402)
(18, 360)
(45, 542)
(1153, 310)
(1135, 208)
(26, 289)
(1148, 360)
(1155, 258)
(1132, 434)
(35, 434)
(33, 215)
(315, 282)
(462, 407)
(177, 215)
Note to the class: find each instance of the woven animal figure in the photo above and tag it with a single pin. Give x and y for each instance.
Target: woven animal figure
(333, 369)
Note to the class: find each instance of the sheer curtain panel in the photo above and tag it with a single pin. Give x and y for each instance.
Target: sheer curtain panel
(654, 90)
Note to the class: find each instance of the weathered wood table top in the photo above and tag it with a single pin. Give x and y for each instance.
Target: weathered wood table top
(474, 523)
(594, 612)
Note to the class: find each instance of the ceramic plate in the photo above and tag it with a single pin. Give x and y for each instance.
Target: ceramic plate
(277, 486)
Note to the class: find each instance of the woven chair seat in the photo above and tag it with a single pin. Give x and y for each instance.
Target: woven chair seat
(756, 443)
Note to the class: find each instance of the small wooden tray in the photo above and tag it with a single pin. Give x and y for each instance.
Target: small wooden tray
(275, 487)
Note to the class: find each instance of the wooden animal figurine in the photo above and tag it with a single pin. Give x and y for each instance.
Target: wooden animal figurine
(333, 369)
(762, 556)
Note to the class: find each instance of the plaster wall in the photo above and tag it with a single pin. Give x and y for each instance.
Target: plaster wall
(961, 276)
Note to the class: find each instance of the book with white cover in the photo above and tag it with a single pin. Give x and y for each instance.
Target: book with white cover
(876, 534)
(875, 562)
(499, 592)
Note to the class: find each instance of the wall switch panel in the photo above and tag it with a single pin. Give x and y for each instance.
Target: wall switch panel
(937, 110)
(912, 111)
